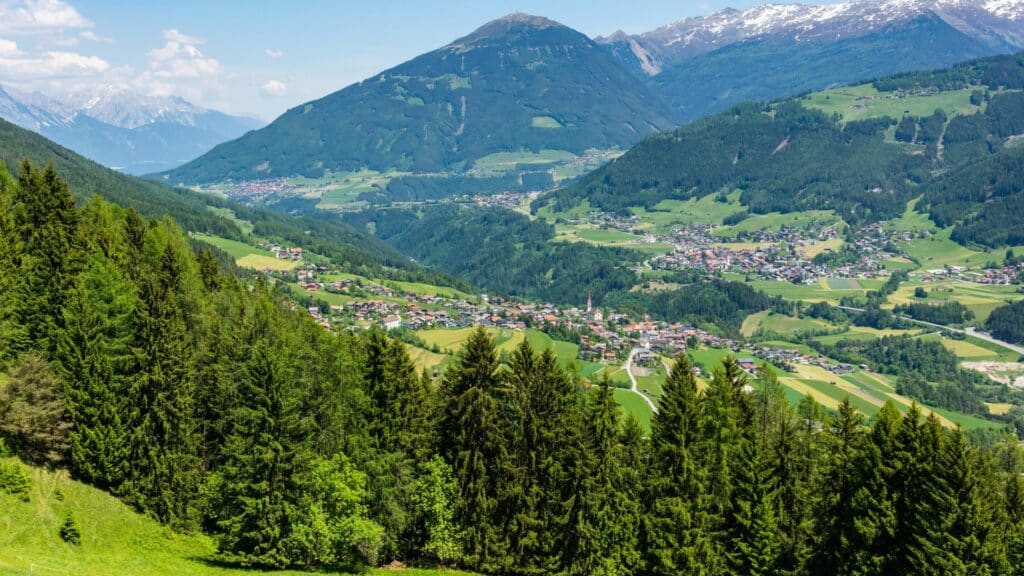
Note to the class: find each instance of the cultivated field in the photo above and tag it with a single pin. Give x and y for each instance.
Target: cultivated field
(864, 101)
(247, 256)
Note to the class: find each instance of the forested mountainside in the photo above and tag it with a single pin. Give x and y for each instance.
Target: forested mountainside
(794, 155)
(517, 83)
(205, 213)
(207, 402)
(769, 68)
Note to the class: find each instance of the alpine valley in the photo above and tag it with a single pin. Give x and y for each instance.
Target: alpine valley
(741, 295)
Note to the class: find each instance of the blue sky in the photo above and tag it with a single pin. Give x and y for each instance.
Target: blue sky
(259, 58)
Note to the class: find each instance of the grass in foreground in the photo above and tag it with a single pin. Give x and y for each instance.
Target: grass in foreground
(116, 541)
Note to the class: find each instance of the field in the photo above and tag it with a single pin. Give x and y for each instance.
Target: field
(779, 323)
(115, 540)
(545, 122)
(669, 214)
(450, 341)
(864, 101)
(606, 237)
(981, 299)
(247, 256)
(633, 404)
(500, 162)
(340, 191)
(823, 290)
(867, 391)
(775, 221)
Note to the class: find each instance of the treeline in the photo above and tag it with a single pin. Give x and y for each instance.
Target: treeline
(502, 251)
(782, 156)
(927, 371)
(419, 188)
(982, 200)
(1006, 71)
(951, 313)
(323, 234)
(1007, 322)
(724, 304)
(209, 404)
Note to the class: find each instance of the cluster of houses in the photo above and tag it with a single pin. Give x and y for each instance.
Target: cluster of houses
(256, 190)
(1004, 275)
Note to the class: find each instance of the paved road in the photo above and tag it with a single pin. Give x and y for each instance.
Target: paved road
(968, 331)
(628, 366)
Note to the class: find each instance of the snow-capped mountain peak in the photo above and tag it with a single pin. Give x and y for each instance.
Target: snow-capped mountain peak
(999, 23)
(129, 109)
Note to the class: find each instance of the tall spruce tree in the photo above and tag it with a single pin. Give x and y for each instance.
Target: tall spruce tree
(95, 361)
(265, 460)
(13, 333)
(164, 442)
(45, 220)
(475, 446)
(678, 532)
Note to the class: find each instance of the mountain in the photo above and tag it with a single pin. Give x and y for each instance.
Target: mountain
(519, 83)
(121, 128)
(950, 137)
(205, 213)
(704, 64)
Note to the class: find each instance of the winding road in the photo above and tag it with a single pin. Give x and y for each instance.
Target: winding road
(632, 379)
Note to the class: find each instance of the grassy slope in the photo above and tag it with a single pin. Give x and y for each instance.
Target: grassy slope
(115, 540)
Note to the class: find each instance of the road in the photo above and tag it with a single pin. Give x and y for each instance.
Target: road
(968, 331)
(632, 379)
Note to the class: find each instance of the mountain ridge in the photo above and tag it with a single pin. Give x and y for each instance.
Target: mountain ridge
(518, 83)
(123, 129)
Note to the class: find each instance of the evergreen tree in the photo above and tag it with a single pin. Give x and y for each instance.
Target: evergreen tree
(94, 359)
(604, 521)
(45, 220)
(164, 442)
(265, 462)
(13, 333)
(677, 530)
(476, 448)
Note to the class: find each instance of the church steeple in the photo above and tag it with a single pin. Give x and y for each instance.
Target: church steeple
(590, 305)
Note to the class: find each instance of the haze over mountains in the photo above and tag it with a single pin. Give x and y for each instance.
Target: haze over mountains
(526, 83)
(123, 129)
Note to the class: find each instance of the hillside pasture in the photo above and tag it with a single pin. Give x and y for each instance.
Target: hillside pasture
(864, 101)
(247, 256)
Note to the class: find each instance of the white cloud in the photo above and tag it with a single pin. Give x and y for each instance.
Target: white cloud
(274, 88)
(33, 16)
(9, 49)
(273, 52)
(93, 37)
(50, 65)
(180, 58)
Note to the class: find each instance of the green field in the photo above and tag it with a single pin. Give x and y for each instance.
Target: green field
(819, 291)
(981, 299)
(115, 540)
(864, 101)
(500, 162)
(245, 255)
(779, 323)
(340, 190)
(607, 237)
(451, 340)
(545, 122)
(633, 404)
(775, 221)
(669, 214)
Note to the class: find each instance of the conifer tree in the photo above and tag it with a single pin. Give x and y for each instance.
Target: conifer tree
(265, 461)
(164, 442)
(476, 448)
(13, 333)
(45, 220)
(604, 521)
(677, 530)
(94, 359)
